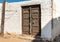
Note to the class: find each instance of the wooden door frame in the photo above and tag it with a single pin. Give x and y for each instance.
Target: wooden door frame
(39, 15)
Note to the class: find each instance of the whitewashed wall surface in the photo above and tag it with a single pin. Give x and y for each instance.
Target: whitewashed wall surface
(56, 18)
(13, 17)
(0, 15)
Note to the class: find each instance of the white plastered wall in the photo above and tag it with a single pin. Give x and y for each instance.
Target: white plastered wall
(0, 15)
(56, 18)
(13, 17)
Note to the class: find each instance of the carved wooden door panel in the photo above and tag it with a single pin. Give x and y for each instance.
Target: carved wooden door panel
(31, 20)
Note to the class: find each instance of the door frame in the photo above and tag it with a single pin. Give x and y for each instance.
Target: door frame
(39, 16)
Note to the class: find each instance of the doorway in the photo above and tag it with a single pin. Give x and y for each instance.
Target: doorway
(31, 20)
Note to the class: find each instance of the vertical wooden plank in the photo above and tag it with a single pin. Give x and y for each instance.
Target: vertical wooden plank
(30, 21)
(3, 17)
(36, 15)
(25, 22)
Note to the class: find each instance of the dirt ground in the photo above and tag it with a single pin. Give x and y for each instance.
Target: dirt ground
(10, 40)
(13, 38)
(10, 37)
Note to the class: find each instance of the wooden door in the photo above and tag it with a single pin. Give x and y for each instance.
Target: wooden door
(25, 20)
(36, 20)
(31, 20)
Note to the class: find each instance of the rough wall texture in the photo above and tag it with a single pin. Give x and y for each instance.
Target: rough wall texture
(56, 18)
(13, 17)
(0, 15)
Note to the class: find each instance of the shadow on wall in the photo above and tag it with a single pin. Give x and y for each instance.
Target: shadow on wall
(47, 32)
(56, 27)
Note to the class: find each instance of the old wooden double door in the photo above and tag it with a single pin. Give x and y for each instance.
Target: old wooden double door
(31, 20)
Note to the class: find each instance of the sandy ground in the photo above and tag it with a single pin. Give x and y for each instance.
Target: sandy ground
(9, 38)
(13, 38)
